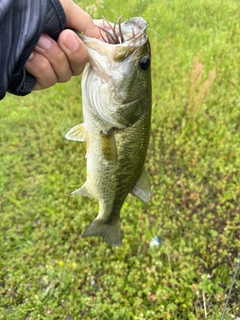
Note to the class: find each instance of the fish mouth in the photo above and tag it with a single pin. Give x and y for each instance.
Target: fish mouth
(130, 32)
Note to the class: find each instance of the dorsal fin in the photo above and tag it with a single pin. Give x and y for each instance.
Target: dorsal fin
(142, 189)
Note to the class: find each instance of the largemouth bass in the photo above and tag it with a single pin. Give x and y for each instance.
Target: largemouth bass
(116, 102)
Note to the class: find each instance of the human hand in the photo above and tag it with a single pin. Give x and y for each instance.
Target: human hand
(52, 61)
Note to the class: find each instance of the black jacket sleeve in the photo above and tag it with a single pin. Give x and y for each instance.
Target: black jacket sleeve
(21, 24)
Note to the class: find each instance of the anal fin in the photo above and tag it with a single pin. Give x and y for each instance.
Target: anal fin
(83, 191)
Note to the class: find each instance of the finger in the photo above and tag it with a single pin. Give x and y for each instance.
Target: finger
(79, 20)
(41, 69)
(74, 49)
(49, 48)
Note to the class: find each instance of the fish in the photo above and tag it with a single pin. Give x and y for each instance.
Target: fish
(116, 106)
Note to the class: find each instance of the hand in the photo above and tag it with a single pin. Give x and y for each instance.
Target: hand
(52, 61)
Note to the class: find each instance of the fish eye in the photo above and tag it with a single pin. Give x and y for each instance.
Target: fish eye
(144, 63)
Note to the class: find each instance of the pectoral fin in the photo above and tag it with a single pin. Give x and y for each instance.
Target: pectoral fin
(77, 133)
(142, 189)
(109, 148)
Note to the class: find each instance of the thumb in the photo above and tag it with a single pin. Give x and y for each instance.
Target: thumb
(74, 49)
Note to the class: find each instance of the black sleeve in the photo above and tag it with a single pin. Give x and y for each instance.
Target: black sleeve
(21, 24)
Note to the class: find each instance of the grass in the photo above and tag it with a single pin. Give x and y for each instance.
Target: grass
(46, 270)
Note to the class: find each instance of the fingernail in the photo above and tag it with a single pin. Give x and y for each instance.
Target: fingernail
(71, 42)
(31, 56)
(44, 42)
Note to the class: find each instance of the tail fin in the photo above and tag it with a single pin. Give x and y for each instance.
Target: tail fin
(110, 232)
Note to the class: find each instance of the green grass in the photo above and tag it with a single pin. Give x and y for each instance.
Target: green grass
(46, 270)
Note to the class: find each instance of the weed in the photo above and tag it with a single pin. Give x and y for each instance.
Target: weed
(197, 92)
